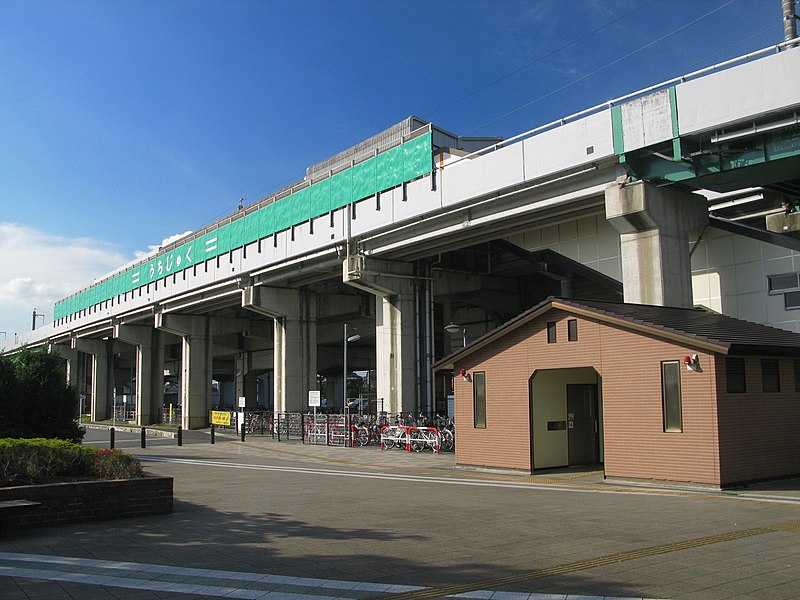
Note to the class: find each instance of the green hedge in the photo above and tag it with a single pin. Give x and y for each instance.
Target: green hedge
(31, 461)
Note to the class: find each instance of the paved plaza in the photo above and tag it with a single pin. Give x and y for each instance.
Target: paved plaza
(269, 519)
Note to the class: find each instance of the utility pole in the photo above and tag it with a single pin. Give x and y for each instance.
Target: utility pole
(789, 20)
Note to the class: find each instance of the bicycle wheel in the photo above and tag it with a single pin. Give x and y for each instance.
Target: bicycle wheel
(362, 436)
(418, 440)
(446, 440)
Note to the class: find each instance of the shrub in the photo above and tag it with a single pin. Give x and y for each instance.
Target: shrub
(35, 401)
(115, 464)
(31, 461)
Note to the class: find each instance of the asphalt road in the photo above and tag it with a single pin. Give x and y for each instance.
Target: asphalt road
(263, 519)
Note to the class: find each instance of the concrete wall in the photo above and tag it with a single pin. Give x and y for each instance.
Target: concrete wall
(729, 275)
(590, 240)
(729, 272)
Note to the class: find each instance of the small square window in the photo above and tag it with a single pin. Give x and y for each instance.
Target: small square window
(770, 375)
(572, 330)
(551, 332)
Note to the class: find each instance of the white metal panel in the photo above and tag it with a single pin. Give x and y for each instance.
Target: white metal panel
(281, 245)
(303, 240)
(251, 258)
(336, 232)
(235, 260)
(419, 200)
(647, 120)
(269, 252)
(369, 216)
(473, 177)
(740, 93)
(182, 281)
(203, 273)
(570, 145)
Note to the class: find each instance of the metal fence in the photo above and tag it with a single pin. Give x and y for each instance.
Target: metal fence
(332, 429)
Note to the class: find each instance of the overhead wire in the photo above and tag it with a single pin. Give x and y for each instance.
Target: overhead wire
(604, 67)
(704, 60)
(539, 59)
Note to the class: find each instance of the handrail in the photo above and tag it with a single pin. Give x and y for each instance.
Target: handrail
(615, 101)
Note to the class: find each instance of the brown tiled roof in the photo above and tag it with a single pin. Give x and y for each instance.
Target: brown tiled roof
(691, 326)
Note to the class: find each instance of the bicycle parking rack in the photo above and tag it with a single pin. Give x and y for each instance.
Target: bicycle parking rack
(395, 436)
(424, 437)
(330, 431)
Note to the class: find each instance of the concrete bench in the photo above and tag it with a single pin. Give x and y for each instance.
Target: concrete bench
(15, 507)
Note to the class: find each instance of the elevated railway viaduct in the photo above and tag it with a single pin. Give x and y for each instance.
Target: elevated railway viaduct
(417, 228)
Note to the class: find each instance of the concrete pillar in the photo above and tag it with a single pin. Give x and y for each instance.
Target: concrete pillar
(149, 369)
(70, 357)
(295, 341)
(394, 350)
(102, 352)
(395, 347)
(245, 382)
(196, 365)
(654, 225)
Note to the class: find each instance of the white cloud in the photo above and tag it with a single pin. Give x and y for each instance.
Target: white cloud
(38, 269)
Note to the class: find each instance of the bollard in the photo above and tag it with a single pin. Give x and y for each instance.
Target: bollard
(180, 435)
(212, 434)
(244, 428)
(144, 438)
(111, 438)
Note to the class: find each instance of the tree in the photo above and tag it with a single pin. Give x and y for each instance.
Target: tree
(35, 400)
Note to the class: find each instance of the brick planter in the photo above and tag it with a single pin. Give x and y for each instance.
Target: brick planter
(76, 502)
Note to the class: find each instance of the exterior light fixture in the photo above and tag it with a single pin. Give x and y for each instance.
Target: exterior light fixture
(455, 328)
(464, 375)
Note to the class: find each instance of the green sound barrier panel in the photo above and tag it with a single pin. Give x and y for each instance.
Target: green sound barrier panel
(382, 172)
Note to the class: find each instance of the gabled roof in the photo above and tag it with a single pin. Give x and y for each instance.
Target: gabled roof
(693, 327)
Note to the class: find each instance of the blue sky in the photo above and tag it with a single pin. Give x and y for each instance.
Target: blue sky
(123, 123)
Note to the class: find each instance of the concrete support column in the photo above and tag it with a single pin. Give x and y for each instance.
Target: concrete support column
(70, 357)
(395, 340)
(395, 351)
(654, 225)
(294, 314)
(196, 365)
(149, 369)
(102, 352)
(245, 382)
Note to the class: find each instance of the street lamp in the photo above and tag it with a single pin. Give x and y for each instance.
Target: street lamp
(347, 340)
(455, 328)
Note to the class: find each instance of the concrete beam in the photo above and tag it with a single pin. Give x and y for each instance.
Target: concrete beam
(654, 225)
